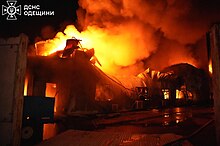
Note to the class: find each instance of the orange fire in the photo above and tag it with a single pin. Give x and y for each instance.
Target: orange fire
(116, 47)
(183, 59)
(51, 91)
(210, 67)
(113, 49)
(25, 86)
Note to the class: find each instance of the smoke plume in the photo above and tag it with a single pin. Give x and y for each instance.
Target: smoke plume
(162, 32)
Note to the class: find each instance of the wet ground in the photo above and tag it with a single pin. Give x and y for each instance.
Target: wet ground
(184, 121)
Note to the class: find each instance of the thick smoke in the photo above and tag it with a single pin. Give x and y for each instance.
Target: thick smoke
(159, 32)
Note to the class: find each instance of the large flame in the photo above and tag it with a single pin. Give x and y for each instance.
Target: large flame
(121, 48)
(124, 33)
(114, 49)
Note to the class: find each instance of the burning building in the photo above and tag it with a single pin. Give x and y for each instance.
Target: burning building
(185, 83)
(126, 41)
(78, 84)
(71, 76)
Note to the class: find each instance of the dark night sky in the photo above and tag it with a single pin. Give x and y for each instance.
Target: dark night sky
(65, 11)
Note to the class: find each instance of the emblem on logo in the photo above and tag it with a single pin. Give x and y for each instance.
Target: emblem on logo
(11, 10)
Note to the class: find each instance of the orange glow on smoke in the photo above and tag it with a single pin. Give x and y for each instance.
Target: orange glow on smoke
(111, 49)
(117, 47)
(182, 58)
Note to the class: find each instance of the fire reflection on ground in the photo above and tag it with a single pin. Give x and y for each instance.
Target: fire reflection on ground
(176, 116)
(182, 121)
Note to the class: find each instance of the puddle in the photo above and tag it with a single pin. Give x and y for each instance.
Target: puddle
(171, 117)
